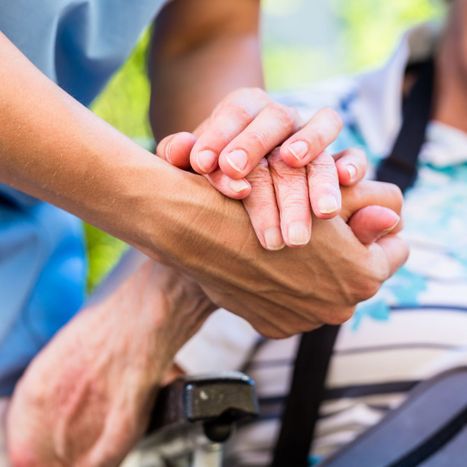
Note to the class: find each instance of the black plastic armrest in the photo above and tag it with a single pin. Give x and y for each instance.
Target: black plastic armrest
(217, 401)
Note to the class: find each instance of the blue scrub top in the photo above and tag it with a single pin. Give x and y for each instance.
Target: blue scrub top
(78, 44)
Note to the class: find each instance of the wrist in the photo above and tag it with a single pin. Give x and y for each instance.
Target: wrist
(161, 309)
(186, 307)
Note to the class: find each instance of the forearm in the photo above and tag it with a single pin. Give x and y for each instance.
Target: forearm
(199, 53)
(91, 390)
(55, 149)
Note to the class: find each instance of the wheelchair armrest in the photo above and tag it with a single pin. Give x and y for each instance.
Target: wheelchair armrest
(217, 402)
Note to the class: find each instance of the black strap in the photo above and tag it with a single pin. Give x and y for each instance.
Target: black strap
(315, 350)
(305, 396)
(401, 166)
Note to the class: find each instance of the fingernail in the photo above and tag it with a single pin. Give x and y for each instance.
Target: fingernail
(237, 159)
(168, 150)
(327, 204)
(206, 160)
(239, 185)
(273, 238)
(397, 219)
(298, 149)
(352, 171)
(299, 234)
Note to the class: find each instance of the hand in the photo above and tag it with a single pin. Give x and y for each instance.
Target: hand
(342, 273)
(85, 399)
(184, 148)
(245, 127)
(283, 292)
(280, 198)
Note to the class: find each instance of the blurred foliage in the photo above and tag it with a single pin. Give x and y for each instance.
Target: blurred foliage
(372, 28)
(124, 104)
(125, 101)
(367, 31)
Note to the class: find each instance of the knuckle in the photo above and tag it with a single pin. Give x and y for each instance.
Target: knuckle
(340, 315)
(283, 114)
(262, 205)
(245, 95)
(325, 165)
(366, 289)
(289, 180)
(256, 92)
(317, 138)
(324, 170)
(294, 202)
(233, 111)
(393, 195)
(256, 140)
(260, 174)
(334, 117)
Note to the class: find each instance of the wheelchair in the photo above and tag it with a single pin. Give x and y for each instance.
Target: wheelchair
(192, 418)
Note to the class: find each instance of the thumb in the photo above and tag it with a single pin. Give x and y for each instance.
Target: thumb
(176, 148)
(373, 222)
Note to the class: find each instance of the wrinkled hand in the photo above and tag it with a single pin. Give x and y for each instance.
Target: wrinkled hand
(249, 123)
(281, 292)
(85, 399)
(333, 273)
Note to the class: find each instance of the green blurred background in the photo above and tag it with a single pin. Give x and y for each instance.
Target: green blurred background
(303, 41)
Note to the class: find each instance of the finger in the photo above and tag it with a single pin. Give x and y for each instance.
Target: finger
(396, 251)
(351, 166)
(292, 198)
(322, 129)
(262, 208)
(235, 189)
(374, 222)
(368, 193)
(229, 119)
(176, 148)
(202, 127)
(270, 127)
(323, 186)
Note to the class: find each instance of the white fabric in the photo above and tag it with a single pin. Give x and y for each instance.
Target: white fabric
(223, 344)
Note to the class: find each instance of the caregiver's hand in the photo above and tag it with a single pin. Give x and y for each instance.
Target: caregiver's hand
(282, 292)
(85, 399)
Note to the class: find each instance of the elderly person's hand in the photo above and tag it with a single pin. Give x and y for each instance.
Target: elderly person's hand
(85, 399)
(248, 124)
(288, 291)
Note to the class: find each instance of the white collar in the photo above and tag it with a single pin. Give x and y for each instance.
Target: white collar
(445, 146)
